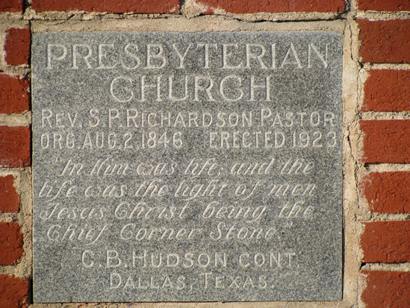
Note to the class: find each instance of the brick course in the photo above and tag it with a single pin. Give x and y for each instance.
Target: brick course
(17, 46)
(384, 41)
(13, 291)
(120, 6)
(9, 198)
(387, 90)
(11, 5)
(11, 243)
(386, 242)
(387, 289)
(388, 192)
(14, 146)
(384, 5)
(14, 97)
(386, 141)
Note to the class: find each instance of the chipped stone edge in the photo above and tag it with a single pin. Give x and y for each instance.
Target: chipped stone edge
(181, 24)
(193, 8)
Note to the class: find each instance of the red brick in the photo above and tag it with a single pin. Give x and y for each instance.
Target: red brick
(119, 6)
(14, 146)
(384, 5)
(386, 141)
(11, 243)
(387, 90)
(386, 242)
(13, 94)
(385, 41)
(11, 5)
(17, 46)
(9, 198)
(387, 289)
(277, 6)
(13, 292)
(388, 192)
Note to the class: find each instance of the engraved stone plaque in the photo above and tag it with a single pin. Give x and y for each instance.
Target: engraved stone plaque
(187, 166)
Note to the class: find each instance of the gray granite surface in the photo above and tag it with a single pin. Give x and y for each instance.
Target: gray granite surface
(187, 166)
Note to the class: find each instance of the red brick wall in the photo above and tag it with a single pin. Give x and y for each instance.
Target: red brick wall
(387, 289)
(387, 90)
(119, 6)
(383, 46)
(385, 241)
(15, 156)
(11, 6)
(384, 5)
